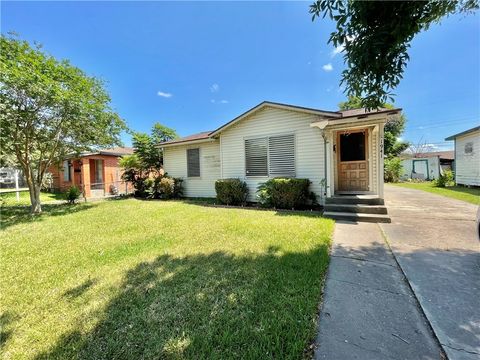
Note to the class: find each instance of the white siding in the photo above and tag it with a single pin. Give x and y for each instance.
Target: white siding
(309, 156)
(433, 167)
(467, 166)
(175, 164)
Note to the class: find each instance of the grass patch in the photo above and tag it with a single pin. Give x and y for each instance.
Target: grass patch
(471, 195)
(10, 198)
(149, 279)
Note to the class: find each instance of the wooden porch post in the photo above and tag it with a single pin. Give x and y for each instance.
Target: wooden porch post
(381, 159)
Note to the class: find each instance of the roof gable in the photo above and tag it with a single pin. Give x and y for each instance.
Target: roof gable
(270, 104)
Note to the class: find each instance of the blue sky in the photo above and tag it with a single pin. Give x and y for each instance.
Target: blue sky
(194, 66)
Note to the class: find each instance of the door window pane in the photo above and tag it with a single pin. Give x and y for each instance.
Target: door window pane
(352, 146)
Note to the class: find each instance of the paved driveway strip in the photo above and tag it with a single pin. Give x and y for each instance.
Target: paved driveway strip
(433, 239)
(369, 311)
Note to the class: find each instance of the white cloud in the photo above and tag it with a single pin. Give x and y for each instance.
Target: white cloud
(214, 88)
(213, 101)
(340, 47)
(337, 50)
(164, 94)
(327, 67)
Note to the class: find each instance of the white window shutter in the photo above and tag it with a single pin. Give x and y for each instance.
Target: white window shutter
(281, 151)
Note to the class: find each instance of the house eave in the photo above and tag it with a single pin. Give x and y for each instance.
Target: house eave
(187, 142)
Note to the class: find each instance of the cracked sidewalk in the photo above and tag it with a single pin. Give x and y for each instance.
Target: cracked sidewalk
(368, 310)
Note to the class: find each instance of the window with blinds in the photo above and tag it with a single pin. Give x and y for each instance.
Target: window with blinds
(270, 156)
(281, 153)
(256, 157)
(193, 162)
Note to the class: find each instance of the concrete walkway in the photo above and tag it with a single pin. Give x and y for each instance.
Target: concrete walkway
(369, 311)
(433, 239)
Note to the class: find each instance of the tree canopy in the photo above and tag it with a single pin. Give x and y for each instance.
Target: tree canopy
(376, 36)
(146, 149)
(50, 109)
(393, 128)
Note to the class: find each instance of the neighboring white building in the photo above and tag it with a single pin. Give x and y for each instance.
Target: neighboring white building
(467, 156)
(427, 166)
(343, 149)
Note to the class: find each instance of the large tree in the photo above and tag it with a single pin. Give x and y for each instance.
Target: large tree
(393, 128)
(49, 109)
(376, 36)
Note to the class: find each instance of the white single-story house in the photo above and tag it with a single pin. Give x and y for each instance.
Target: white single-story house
(427, 166)
(467, 156)
(342, 149)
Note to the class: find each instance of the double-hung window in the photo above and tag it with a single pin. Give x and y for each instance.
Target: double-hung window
(193, 162)
(66, 171)
(272, 156)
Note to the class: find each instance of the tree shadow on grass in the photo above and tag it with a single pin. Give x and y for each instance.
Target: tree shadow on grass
(13, 215)
(215, 306)
(80, 289)
(6, 320)
(211, 203)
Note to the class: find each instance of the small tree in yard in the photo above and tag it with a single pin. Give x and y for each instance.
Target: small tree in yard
(147, 160)
(48, 110)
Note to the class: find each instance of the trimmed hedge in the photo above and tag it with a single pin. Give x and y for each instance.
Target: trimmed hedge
(286, 193)
(231, 191)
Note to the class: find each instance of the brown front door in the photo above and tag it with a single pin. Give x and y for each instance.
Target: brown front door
(352, 160)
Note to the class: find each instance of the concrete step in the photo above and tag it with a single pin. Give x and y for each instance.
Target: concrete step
(357, 217)
(355, 199)
(356, 208)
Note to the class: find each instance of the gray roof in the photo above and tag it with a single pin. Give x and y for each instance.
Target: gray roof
(476, 128)
(329, 114)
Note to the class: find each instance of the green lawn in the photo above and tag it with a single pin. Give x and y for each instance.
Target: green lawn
(135, 279)
(10, 198)
(471, 195)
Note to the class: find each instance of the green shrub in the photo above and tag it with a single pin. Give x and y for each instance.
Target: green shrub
(72, 194)
(162, 187)
(446, 179)
(284, 193)
(177, 188)
(392, 169)
(231, 191)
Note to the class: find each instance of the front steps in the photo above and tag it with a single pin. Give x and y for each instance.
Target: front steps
(366, 208)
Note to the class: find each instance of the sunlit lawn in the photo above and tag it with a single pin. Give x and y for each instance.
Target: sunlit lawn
(10, 198)
(471, 195)
(138, 279)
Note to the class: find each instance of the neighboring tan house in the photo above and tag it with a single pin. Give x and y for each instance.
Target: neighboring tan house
(96, 173)
(467, 156)
(427, 166)
(342, 149)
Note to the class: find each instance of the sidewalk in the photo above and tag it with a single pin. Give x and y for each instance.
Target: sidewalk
(368, 310)
(435, 242)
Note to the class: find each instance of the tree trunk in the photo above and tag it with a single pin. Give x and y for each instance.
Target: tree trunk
(34, 190)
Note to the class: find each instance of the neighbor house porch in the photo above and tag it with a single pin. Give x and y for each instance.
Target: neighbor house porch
(95, 175)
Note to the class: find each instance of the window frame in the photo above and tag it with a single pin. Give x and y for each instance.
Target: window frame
(267, 137)
(67, 175)
(199, 163)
